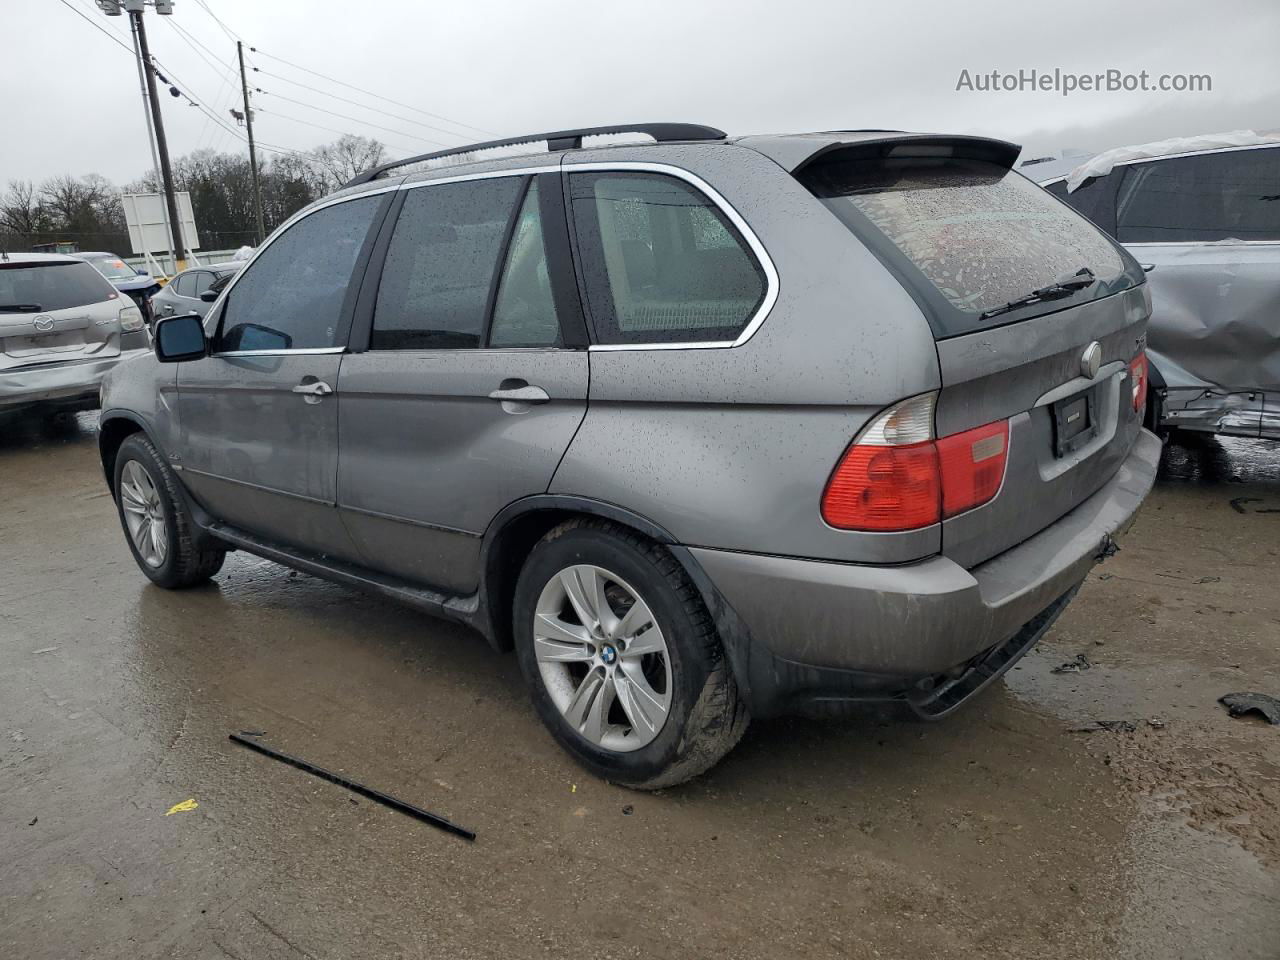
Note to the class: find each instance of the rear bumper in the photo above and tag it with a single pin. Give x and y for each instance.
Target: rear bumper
(806, 632)
(58, 383)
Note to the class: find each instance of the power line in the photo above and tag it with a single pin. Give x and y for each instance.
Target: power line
(370, 93)
(97, 26)
(224, 71)
(193, 42)
(231, 34)
(343, 116)
(356, 103)
(190, 97)
(234, 36)
(321, 126)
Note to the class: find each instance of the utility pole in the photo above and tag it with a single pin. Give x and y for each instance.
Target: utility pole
(151, 136)
(162, 146)
(159, 148)
(253, 156)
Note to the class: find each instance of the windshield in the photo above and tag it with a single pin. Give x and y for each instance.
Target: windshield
(978, 235)
(36, 287)
(113, 268)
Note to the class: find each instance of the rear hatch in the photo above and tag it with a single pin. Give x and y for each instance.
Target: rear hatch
(56, 311)
(970, 239)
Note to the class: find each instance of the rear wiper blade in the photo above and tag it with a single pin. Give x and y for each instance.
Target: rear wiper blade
(1064, 286)
(22, 307)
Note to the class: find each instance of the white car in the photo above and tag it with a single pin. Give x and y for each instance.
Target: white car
(183, 293)
(63, 326)
(1203, 213)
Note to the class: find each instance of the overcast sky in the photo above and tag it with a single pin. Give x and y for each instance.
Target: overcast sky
(508, 67)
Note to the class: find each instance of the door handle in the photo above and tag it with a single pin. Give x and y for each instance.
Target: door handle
(521, 394)
(313, 391)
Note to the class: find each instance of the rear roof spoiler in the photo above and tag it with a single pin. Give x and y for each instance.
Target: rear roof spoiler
(794, 153)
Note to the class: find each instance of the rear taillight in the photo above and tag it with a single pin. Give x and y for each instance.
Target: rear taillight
(972, 466)
(884, 488)
(130, 319)
(896, 476)
(1138, 377)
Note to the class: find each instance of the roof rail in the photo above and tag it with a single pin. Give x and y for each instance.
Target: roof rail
(556, 140)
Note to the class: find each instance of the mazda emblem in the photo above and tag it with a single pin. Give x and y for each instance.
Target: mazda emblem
(43, 324)
(1091, 360)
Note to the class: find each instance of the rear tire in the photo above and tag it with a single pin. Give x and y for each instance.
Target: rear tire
(157, 525)
(1154, 415)
(650, 717)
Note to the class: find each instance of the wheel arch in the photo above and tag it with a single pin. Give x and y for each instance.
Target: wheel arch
(517, 528)
(512, 534)
(116, 426)
(1157, 389)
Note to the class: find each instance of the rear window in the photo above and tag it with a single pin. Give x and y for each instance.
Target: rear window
(966, 235)
(113, 268)
(1207, 198)
(45, 287)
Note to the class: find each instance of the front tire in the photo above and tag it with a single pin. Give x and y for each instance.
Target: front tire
(621, 657)
(157, 525)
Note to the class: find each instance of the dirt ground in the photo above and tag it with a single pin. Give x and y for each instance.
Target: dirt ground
(997, 833)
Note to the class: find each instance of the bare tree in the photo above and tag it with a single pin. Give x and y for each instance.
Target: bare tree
(21, 211)
(347, 156)
(87, 210)
(69, 199)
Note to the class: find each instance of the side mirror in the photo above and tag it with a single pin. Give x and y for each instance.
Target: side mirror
(139, 271)
(1148, 267)
(256, 337)
(209, 296)
(180, 338)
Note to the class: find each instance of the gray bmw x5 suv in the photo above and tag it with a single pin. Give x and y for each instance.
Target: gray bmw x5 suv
(705, 428)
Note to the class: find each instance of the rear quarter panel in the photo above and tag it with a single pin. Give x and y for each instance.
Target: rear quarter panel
(731, 447)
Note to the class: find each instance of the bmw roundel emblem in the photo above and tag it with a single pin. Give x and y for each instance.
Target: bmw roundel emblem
(1091, 360)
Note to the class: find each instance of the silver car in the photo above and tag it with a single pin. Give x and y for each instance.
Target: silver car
(189, 291)
(1204, 214)
(704, 428)
(63, 326)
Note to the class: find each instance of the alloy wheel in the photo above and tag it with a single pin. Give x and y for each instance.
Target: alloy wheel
(603, 658)
(143, 514)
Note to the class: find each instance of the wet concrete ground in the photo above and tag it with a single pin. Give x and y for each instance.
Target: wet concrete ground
(998, 833)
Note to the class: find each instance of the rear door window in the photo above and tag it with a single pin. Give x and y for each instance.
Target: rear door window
(200, 281)
(524, 314)
(185, 285)
(441, 264)
(967, 235)
(1215, 196)
(297, 293)
(662, 263)
(45, 287)
(1095, 199)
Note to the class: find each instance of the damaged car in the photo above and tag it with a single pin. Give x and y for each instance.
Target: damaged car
(63, 327)
(705, 428)
(1203, 215)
